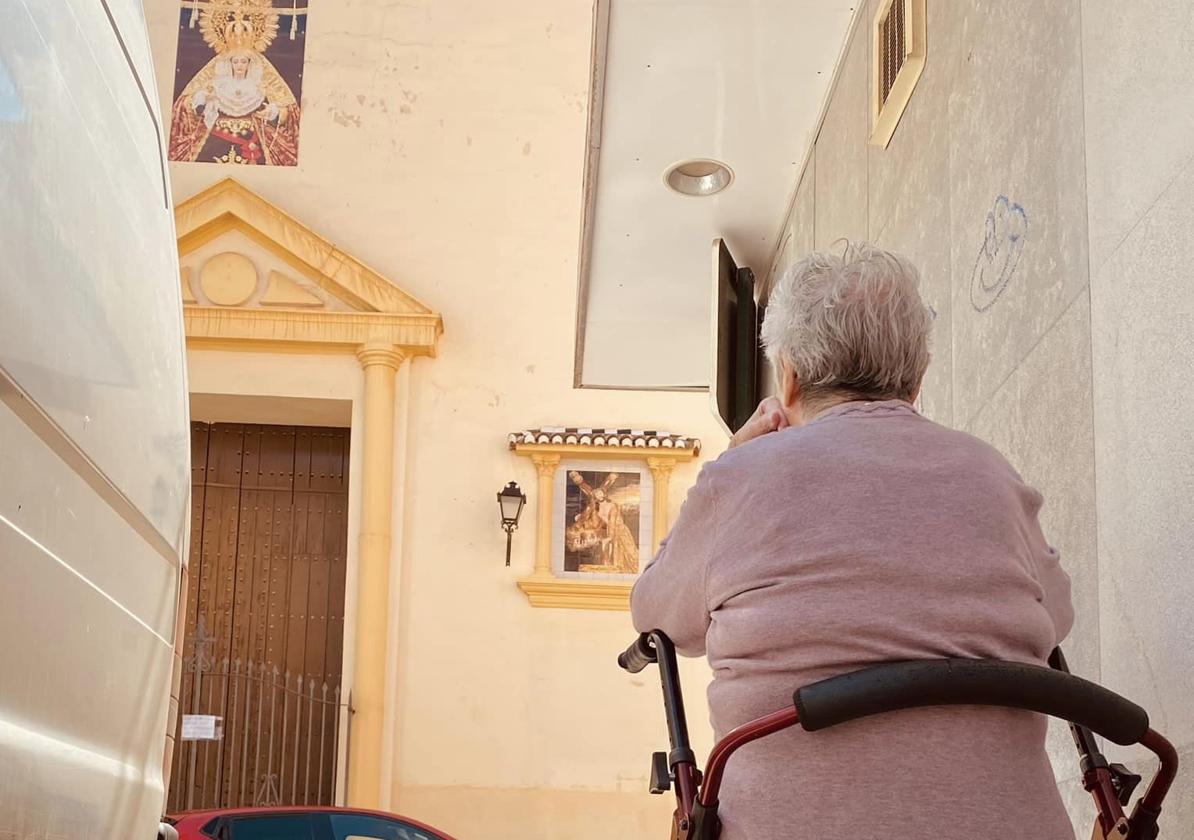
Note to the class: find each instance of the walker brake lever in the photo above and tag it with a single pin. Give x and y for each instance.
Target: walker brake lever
(1124, 781)
(661, 773)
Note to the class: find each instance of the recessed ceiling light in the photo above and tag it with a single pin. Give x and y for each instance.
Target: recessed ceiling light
(698, 177)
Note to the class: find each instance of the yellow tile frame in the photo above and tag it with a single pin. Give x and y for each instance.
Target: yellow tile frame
(544, 589)
(885, 116)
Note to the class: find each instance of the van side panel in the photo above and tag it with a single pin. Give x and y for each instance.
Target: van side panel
(94, 438)
(91, 324)
(85, 653)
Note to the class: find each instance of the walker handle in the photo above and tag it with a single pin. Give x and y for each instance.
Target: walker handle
(639, 655)
(970, 682)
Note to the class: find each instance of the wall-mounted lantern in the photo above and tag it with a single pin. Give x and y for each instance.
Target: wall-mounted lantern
(511, 501)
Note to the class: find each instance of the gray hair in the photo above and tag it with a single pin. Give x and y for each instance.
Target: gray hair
(852, 324)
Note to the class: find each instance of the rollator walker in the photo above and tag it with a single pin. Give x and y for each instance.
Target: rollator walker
(1090, 709)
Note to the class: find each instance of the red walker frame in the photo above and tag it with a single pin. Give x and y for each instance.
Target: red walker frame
(871, 691)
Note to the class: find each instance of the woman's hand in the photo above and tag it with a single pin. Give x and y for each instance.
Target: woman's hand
(768, 417)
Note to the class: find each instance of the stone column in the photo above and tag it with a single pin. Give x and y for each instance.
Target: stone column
(380, 363)
(546, 465)
(661, 471)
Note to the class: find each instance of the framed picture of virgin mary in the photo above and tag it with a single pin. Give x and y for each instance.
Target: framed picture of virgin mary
(238, 82)
(603, 522)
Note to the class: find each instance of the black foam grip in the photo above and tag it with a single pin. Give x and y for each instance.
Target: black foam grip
(639, 655)
(970, 682)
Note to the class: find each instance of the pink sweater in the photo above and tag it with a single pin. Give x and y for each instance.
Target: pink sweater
(869, 535)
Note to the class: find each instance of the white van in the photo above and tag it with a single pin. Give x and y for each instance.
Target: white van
(94, 438)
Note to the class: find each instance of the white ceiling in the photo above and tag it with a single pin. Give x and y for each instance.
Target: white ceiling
(740, 81)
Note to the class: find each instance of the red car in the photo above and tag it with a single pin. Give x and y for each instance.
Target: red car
(300, 823)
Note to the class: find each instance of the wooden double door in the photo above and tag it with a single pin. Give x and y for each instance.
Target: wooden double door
(264, 640)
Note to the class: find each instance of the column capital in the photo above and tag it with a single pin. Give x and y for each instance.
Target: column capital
(661, 466)
(378, 353)
(545, 463)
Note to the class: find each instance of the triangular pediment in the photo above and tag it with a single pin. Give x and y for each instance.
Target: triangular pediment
(237, 249)
(254, 276)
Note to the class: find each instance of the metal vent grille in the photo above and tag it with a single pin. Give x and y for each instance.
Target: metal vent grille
(897, 62)
(892, 48)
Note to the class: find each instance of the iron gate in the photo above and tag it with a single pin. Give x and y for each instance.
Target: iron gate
(280, 737)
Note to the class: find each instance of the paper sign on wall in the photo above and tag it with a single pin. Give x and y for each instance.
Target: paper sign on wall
(202, 727)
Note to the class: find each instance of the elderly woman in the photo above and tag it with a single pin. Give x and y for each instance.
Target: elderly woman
(843, 529)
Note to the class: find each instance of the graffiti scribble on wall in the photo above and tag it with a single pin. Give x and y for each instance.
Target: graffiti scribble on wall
(240, 105)
(995, 265)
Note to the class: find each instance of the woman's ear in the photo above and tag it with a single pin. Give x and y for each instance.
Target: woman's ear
(789, 385)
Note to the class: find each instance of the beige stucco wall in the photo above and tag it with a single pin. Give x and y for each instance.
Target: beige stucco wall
(1078, 370)
(443, 144)
(1139, 149)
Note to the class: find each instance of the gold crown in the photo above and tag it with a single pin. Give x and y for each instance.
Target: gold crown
(239, 25)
